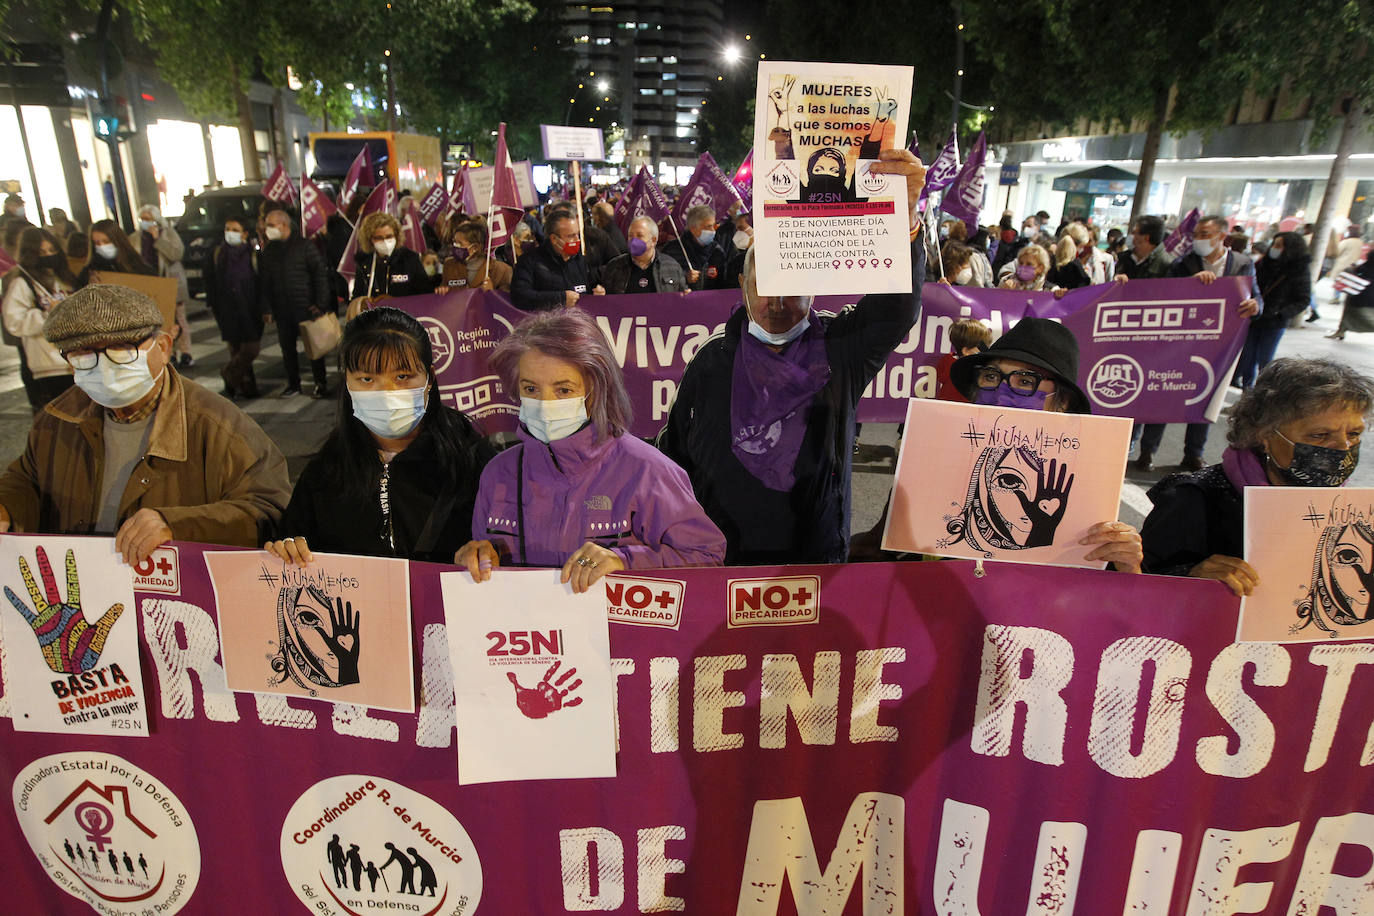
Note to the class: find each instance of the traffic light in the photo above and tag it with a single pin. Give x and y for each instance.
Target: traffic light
(107, 127)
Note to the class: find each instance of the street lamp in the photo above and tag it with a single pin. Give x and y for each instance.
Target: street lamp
(731, 54)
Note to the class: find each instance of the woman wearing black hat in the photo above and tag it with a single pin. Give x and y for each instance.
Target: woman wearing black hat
(1034, 366)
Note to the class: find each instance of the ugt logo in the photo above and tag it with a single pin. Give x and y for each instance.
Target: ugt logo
(1115, 381)
(774, 602)
(70, 644)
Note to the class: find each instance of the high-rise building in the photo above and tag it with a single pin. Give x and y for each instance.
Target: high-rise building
(659, 59)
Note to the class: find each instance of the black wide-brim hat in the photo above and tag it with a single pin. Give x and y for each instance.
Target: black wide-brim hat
(1040, 342)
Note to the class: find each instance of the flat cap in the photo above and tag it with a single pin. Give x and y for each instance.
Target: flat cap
(101, 313)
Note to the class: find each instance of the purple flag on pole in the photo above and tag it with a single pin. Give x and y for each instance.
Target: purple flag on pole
(964, 199)
(708, 187)
(432, 204)
(505, 210)
(412, 236)
(944, 168)
(624, 207)
(458, 193)
(744, 176)
(352, 183)
(315, 208)
(279, 186)
(1180, 241)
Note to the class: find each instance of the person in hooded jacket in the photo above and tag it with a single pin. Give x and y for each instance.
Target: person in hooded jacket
(580, 491)
(398, 475)
(40, 280)
(385, 267)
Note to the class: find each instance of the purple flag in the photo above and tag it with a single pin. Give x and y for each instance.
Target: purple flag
(964, 199)
(315, 208)
(432, 204)
(915, 147)
(624, 207)
(1180, 241)
(646, 198)
(708, 187)
(944, 168)
(352, 183)
(457, 195)
(279, 186)
(412, 236)
(505, 210)
(744, 176)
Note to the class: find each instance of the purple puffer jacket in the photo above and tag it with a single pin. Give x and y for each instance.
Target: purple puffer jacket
(619, 493)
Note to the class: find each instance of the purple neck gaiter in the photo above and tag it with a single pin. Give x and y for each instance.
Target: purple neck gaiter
(769, 397)
(1003, 396)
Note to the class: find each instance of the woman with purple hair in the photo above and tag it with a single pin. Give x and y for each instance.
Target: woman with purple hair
(578, 491)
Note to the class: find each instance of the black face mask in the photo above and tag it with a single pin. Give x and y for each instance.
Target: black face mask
(1317, 466)
(52, 261)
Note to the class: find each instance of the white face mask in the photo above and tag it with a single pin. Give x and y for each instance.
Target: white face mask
(273, 233)
(1204, 248)
(758, 332)
(385, 247)
(963, 277)
(390, 414)
(114, 385)
(549, 421)
(742, 239)
(146, 224)
(107, 251)
(233, 238)
(1027, 231)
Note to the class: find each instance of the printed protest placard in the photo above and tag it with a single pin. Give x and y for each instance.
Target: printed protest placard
(572, 143)
(1001, 483)
(71, 645)
(531, 677)
(823, 222)
(1313, 548)
(337, 630)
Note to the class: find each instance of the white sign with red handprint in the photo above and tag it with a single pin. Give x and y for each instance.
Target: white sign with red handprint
(337, 629)
(532, 677)
(70, 635)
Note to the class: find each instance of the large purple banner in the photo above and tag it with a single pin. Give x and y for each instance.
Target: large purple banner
(1159, 351)
(886, 738)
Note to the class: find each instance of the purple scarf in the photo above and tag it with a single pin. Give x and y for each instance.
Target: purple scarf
(1243, 468)
(769, 397)
(149, 245)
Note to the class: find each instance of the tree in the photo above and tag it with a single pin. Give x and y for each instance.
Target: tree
(1326, 48)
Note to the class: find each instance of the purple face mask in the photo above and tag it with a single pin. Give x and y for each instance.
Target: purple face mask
(1004, 396)
(638, 247)
(1025, 272)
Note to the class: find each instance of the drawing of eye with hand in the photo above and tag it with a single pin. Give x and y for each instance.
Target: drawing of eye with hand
(1015, 500)
(1342, 580)
(318, 643)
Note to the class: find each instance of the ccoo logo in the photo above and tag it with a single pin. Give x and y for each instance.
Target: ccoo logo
(440, 341)
(773, 602)
(1115, 381)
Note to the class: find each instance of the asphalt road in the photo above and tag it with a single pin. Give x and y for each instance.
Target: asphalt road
(299, 425)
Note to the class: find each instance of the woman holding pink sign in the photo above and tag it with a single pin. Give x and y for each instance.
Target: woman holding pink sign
(1299, 425)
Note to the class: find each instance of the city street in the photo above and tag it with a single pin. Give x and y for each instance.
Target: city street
(299, 425)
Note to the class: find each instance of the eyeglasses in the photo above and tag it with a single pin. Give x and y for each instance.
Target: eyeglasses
(1022, 381)
(121, 354)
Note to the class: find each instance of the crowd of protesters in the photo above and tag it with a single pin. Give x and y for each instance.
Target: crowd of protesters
(752, 467)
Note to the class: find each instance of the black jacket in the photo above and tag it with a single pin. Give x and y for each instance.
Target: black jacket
(235, 309)
(692, 255)
(1286, 286)
(542, 277)
(1007, 251)
(668, 276)
(402, 274)
(1195, 516)
(810, 523)
(293, 279)
(97, 263)
(336, 522)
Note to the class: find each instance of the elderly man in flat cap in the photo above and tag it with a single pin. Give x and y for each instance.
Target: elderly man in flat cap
(134, 449)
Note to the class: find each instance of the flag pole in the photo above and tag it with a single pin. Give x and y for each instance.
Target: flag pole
(577, 190)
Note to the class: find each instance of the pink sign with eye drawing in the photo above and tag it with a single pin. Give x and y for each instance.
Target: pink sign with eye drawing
(1000, 483)
(337, 629)
(1313, 549)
